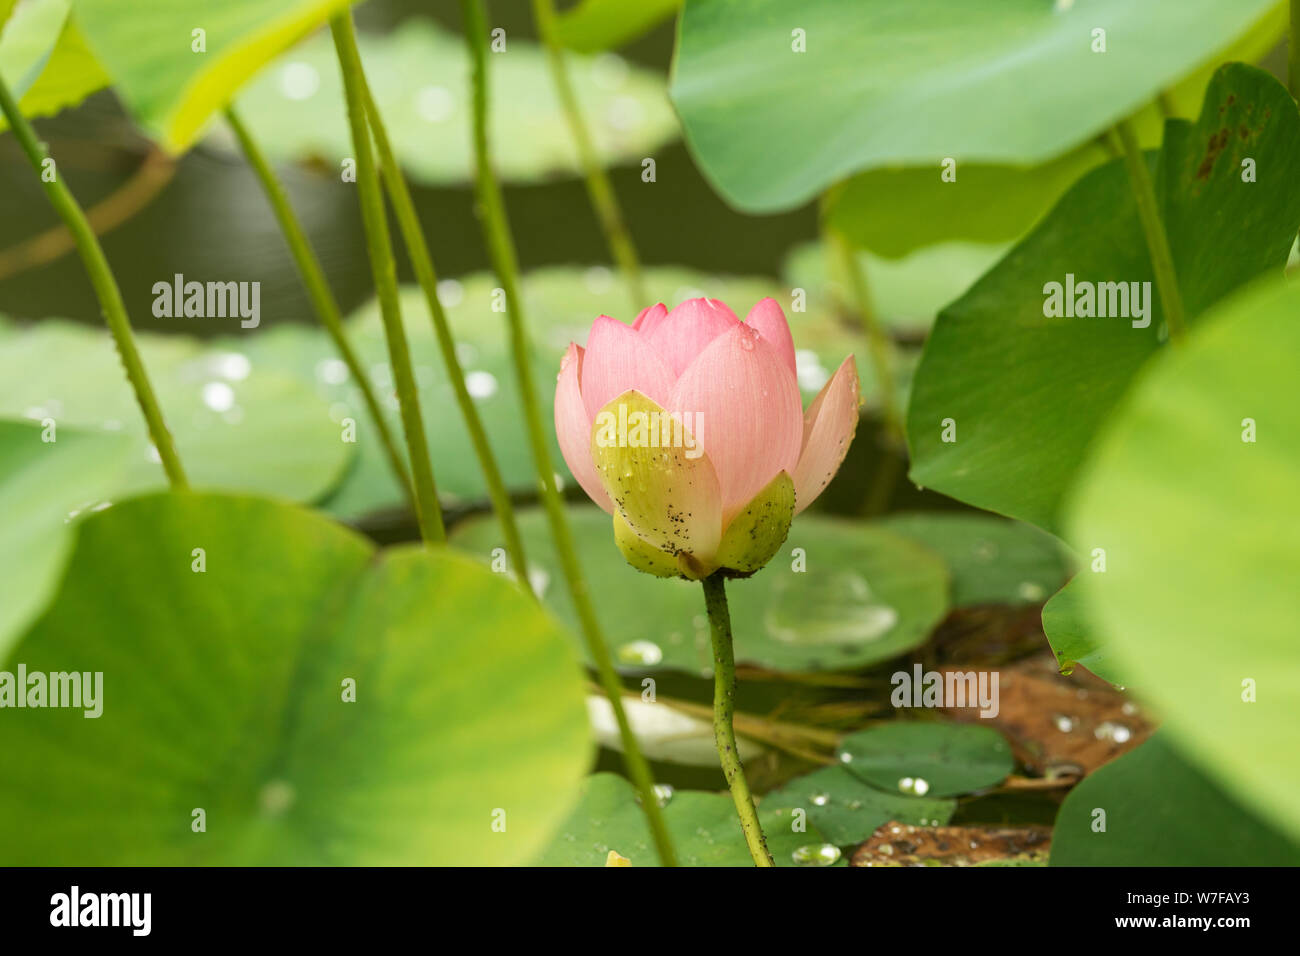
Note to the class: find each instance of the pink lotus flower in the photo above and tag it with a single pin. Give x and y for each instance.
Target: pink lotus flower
(687, 426)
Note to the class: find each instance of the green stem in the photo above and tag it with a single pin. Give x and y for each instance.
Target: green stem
(496, 227)
(599, 189)
(878, 343)
(422, 263)
(318, 290)
(724, 707)
(106, 288)
(374, 218)
(1162, 259)
(1293, 53)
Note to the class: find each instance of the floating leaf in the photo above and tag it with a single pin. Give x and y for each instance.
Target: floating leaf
(1153, 808)
(1192, 492)
(1012, 85)
(927, 759)
(703, 827)
(594, 25)
(993, 561)
(151, 49)
(420, 78)
(866, 595)
(237, 425)
(43, 486)
(1021, 435)
(226, 691)
(847, 811)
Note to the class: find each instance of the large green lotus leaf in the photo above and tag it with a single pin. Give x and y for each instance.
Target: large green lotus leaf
(420, 77)
(847, 811)
(703, 826)
(1074, 637)
(150, 49)
(907, 293)
(236, 426)
(227, 690)
(923, 758)
(1027, 392)
(1160, 810)
(561, 304)
(992, 560)
(1199, 600)
(44, 486)
(44, 59)
(1014, 83)
(594, 25)
(866, 595)
(895, 210)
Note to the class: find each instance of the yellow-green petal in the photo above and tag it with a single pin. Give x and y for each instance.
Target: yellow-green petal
(668, 494)
(758, 532)
(640, 554)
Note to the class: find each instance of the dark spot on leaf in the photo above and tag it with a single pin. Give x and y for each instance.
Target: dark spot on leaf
(1216, 146)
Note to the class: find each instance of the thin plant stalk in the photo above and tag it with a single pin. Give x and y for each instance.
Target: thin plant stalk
(318, 290)
(399, 195)
(105, 285)
(724, 709)
(496, 227)
(1162, 259)
(878, 344)
(599, 190)
(379, 246)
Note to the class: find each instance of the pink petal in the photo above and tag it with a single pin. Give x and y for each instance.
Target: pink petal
(687, 330)
(743, 405)
(828, 430)
(619, 358)
(573, 428)
(650, 316)
(770, 321)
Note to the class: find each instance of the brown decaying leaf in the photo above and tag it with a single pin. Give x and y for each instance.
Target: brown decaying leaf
(901, 844)
(1061, 726)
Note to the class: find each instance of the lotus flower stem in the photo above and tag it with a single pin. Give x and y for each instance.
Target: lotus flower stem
(1162, 259)
(496, 227)
(724, 707)
(599, 190)
(106, 288)
(318, 290)
(422, 262)
(427, 510)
